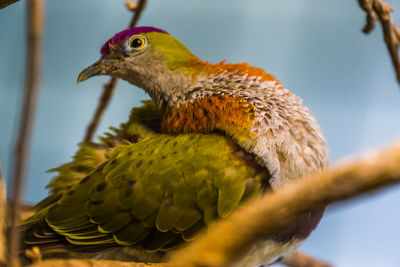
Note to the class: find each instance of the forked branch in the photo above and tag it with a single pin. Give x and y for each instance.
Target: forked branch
(378, 10)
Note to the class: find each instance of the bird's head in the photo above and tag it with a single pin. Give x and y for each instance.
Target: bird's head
(149, 58)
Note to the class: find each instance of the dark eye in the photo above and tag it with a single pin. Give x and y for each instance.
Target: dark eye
(137, 42)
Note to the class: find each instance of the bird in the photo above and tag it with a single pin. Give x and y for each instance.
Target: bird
(211, 137)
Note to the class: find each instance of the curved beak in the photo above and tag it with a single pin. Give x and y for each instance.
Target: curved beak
(98, 68)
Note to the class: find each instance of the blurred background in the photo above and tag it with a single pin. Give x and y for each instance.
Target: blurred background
(315, 47)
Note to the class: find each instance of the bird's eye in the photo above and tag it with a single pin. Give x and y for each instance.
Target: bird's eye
(137, 42)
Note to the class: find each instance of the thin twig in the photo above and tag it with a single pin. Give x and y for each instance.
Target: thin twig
(6, 3)
(366, 5)
(108, 91)
(299, 259)
(2, 219)
(138, 12)
(381, 11)
(108, 88)
(35, 14)
(228, 239)
(131, 5)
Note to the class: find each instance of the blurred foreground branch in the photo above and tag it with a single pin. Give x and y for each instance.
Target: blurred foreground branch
(34, 23)
(298, 259)
(6, 3)
(228, 239)
(381, 11)
(92, 263)
(2, 219)
(108, 88)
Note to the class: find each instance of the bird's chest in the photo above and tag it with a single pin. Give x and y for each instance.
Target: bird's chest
(231, 115)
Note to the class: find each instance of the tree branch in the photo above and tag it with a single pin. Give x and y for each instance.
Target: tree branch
(93, 263)
(381, 11)
(108, 88)
(6, 3)
(108, 91)
(298, 259)
(35, 13)
(228, 239)
(2, 219)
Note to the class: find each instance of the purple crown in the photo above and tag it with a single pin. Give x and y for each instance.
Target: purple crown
(125, 34)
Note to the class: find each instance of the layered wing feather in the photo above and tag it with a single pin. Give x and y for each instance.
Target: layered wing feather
(155, 191)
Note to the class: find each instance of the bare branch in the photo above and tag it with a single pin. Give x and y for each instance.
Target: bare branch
(93, 263)
(138, 12)
(35, 13)
(6, 3)
(366, 5)
(228, 239)
(2, 220)
(108, 88)
(381, 11)
(108, 91)
(131, 5)
(298, 259)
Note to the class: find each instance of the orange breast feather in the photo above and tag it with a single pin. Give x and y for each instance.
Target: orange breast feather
(207, 114)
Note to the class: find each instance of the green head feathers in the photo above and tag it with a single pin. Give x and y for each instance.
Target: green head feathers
(147, 57)
(151, 40)
(139, 47)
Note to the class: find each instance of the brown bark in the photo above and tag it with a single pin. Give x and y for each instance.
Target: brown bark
(6, 3)
(34, 23)
(381, 11)
(2, 220)
(298, 259)
(93, 263)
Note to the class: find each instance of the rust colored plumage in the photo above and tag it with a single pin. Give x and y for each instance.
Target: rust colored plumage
(208, 114)
(240, 69)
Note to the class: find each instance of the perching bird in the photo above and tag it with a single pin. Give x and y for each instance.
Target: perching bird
(213, 136)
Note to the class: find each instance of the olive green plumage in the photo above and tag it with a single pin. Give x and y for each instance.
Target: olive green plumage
(141, 187)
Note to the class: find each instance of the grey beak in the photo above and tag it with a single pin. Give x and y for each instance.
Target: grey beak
(98, 68)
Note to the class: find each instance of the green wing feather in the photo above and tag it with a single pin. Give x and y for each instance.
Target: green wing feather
(146, 188)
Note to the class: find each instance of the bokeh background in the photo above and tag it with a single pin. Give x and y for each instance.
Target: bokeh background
(315, 47)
